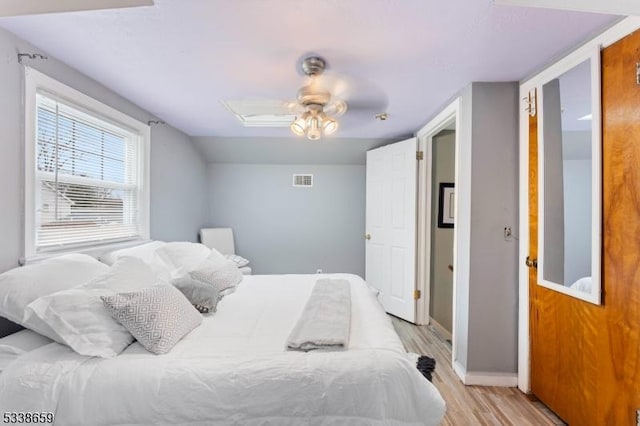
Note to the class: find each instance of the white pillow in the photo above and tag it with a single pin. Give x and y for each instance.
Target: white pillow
(145, 252)
(182, 257)
(78, 318)
(583, 285)
(21, 286)
(16, 344)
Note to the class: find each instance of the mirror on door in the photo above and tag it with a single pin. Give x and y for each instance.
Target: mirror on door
(569, 180)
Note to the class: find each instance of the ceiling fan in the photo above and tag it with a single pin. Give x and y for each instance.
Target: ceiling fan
(314, 112)
(22, 7)
(314, 107)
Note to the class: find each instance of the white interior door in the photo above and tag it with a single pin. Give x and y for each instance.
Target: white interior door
(391, 226)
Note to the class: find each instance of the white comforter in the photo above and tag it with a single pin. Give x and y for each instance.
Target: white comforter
(234, 370)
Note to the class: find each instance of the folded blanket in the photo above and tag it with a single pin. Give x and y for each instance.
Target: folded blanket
(325, 321)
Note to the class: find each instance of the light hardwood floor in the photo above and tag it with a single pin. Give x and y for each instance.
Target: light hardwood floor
(472, 405)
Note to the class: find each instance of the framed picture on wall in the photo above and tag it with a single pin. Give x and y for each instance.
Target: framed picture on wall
(446, 206)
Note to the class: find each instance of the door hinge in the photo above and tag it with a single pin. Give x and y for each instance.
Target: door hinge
(417, 294)
(419, 155)
(530, 101)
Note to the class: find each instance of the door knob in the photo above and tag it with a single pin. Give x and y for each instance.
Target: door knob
(531, 263)
(367, 236)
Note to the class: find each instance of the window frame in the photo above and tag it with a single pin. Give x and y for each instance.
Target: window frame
(35, 82)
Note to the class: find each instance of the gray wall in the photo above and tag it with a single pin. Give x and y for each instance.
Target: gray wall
(576, 152)
(553, 184)
(178, 174)
(493, 273)
(283, 229)
(179, 203)
(443, 170)
(291, 150)
(577, 220)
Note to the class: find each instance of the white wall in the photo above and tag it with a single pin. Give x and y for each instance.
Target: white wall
(178, 174)
(282, 229)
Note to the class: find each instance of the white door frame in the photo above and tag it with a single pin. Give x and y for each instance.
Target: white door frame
(607, 38)
(451, 114)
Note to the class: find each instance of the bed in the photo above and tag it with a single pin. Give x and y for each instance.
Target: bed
(234, 370)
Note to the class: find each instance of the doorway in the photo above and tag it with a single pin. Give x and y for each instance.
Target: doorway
(438, 246)
(442, 223)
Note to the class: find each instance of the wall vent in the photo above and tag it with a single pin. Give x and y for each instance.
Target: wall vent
(303, 180)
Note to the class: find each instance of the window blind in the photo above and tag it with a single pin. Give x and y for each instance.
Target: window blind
(87, 177)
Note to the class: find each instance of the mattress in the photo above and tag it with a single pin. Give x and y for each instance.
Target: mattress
(234, 370)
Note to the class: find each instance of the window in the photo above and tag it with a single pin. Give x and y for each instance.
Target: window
(86, 165)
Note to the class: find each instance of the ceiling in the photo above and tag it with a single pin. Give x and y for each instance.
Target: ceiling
(180, 58)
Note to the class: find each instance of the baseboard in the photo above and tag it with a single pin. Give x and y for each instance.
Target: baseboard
(460, 371)
(481, 378)
(443, 332)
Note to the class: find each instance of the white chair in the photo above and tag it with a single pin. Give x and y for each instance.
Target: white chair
(221, 239)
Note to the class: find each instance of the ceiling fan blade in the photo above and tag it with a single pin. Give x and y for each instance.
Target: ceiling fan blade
(336, 108)
(22, 7)
(368, 104)
(293, 107)
(611, 7)
(359, 93)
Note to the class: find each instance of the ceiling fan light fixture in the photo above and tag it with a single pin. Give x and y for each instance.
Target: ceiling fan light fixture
(336, 108)
(329, 125)
(320, 111)
(314, 132)
(314, 123)
(298, 126)
(314, 135)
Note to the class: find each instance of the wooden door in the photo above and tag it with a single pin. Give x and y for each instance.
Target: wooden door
(585, 359)
(391, 226)
(557, 355)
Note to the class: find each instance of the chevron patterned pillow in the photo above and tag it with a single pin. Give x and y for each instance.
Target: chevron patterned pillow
(158, 317)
